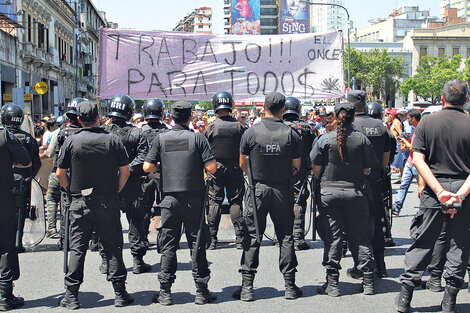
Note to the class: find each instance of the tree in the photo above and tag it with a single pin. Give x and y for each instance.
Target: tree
(431, 75)
(466, 71)
(377, 68)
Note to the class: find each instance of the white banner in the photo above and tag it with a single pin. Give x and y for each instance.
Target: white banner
(187, 66)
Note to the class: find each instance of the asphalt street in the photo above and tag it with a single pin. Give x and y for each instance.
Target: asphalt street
(41, 281)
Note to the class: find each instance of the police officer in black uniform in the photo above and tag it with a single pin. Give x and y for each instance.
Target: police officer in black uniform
(121, 108)
(183, 156)
(275, 156)
(12, 118)
(376, 132)
(291, 118)
(70, 129)
(441, 154)
(153, 110)
(341, 159)
(12, 154)
(376, 111)
(224, 136)
(93, 157)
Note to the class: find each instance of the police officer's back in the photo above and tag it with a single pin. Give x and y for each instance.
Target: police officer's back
(224, 135)
(340, 160)
(291, 118)
(153, 110)
(121, 108)
(93, 158)
(274, 150)
(183, 156)
(376, 132)
(11, 153)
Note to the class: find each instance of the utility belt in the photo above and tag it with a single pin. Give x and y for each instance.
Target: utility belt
(348, 185)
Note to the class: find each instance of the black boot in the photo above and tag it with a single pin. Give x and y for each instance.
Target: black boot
(104, 264)
(353, 272)
(140, 266)
(164, 295)
(403, 300)
(245, 293)
(380, 269)
(344, 248)
(368, 283)
(7, 300)
(449, 299)
(292, 291)
(331, 287)
(433, 283)
(203, 295)
(70, 299)
(123, 298)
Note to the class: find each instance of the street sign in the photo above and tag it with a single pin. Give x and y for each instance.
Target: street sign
(28, 97)
(41, 88)
(7, 97)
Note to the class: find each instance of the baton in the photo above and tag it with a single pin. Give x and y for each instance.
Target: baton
(19, 193)
(251, 186)
(66, 231)
(313, 208)
(202, 221)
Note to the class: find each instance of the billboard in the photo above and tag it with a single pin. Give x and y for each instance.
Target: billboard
(8, 9)
(246, 17)
(294, 17)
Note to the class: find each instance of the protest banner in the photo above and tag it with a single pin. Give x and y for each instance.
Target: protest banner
(191, 66)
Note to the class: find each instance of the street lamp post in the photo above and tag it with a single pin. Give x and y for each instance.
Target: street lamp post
(347, 13)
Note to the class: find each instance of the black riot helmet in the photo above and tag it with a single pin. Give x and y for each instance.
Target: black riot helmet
(292, 107)
(153, 108)
(72, 108)
(375, 110)
(121, 106)
(12, 115)
(222, 100)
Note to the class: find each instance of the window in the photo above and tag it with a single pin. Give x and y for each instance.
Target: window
(441, 52)
(29, 28)
(200, 26)
(455, 51)
(423, 51)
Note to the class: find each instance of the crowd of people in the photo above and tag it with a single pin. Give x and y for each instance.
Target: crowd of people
(184, 167)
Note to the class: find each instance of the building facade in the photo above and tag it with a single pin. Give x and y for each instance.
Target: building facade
(436, 42)
(462, 6)
(198, 21)
(325, 18)
(395, 27)
(44, 42)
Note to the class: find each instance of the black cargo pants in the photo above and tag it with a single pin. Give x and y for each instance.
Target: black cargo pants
(277, 200)
(228, 177)
(346, 210)
(101, 214)
(428, 227)
(181, 209)
(9, 267)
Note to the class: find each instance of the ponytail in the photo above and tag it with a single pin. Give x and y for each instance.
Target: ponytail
(343, 119)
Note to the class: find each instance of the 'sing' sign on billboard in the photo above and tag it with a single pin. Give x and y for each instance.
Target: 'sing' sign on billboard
(294, 17)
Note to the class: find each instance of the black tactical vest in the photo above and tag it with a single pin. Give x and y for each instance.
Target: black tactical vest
(375, 131)
(182, 167)
(25, 141)
(225, 140)
(151, 130)
(271, 159)
(349, 175)
(6, 176)
(61, 137)
(307, 136)
(126, 135)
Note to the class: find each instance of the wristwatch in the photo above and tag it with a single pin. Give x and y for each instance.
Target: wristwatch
(461, 196)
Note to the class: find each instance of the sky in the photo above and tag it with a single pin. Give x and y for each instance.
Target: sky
(165, 14)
